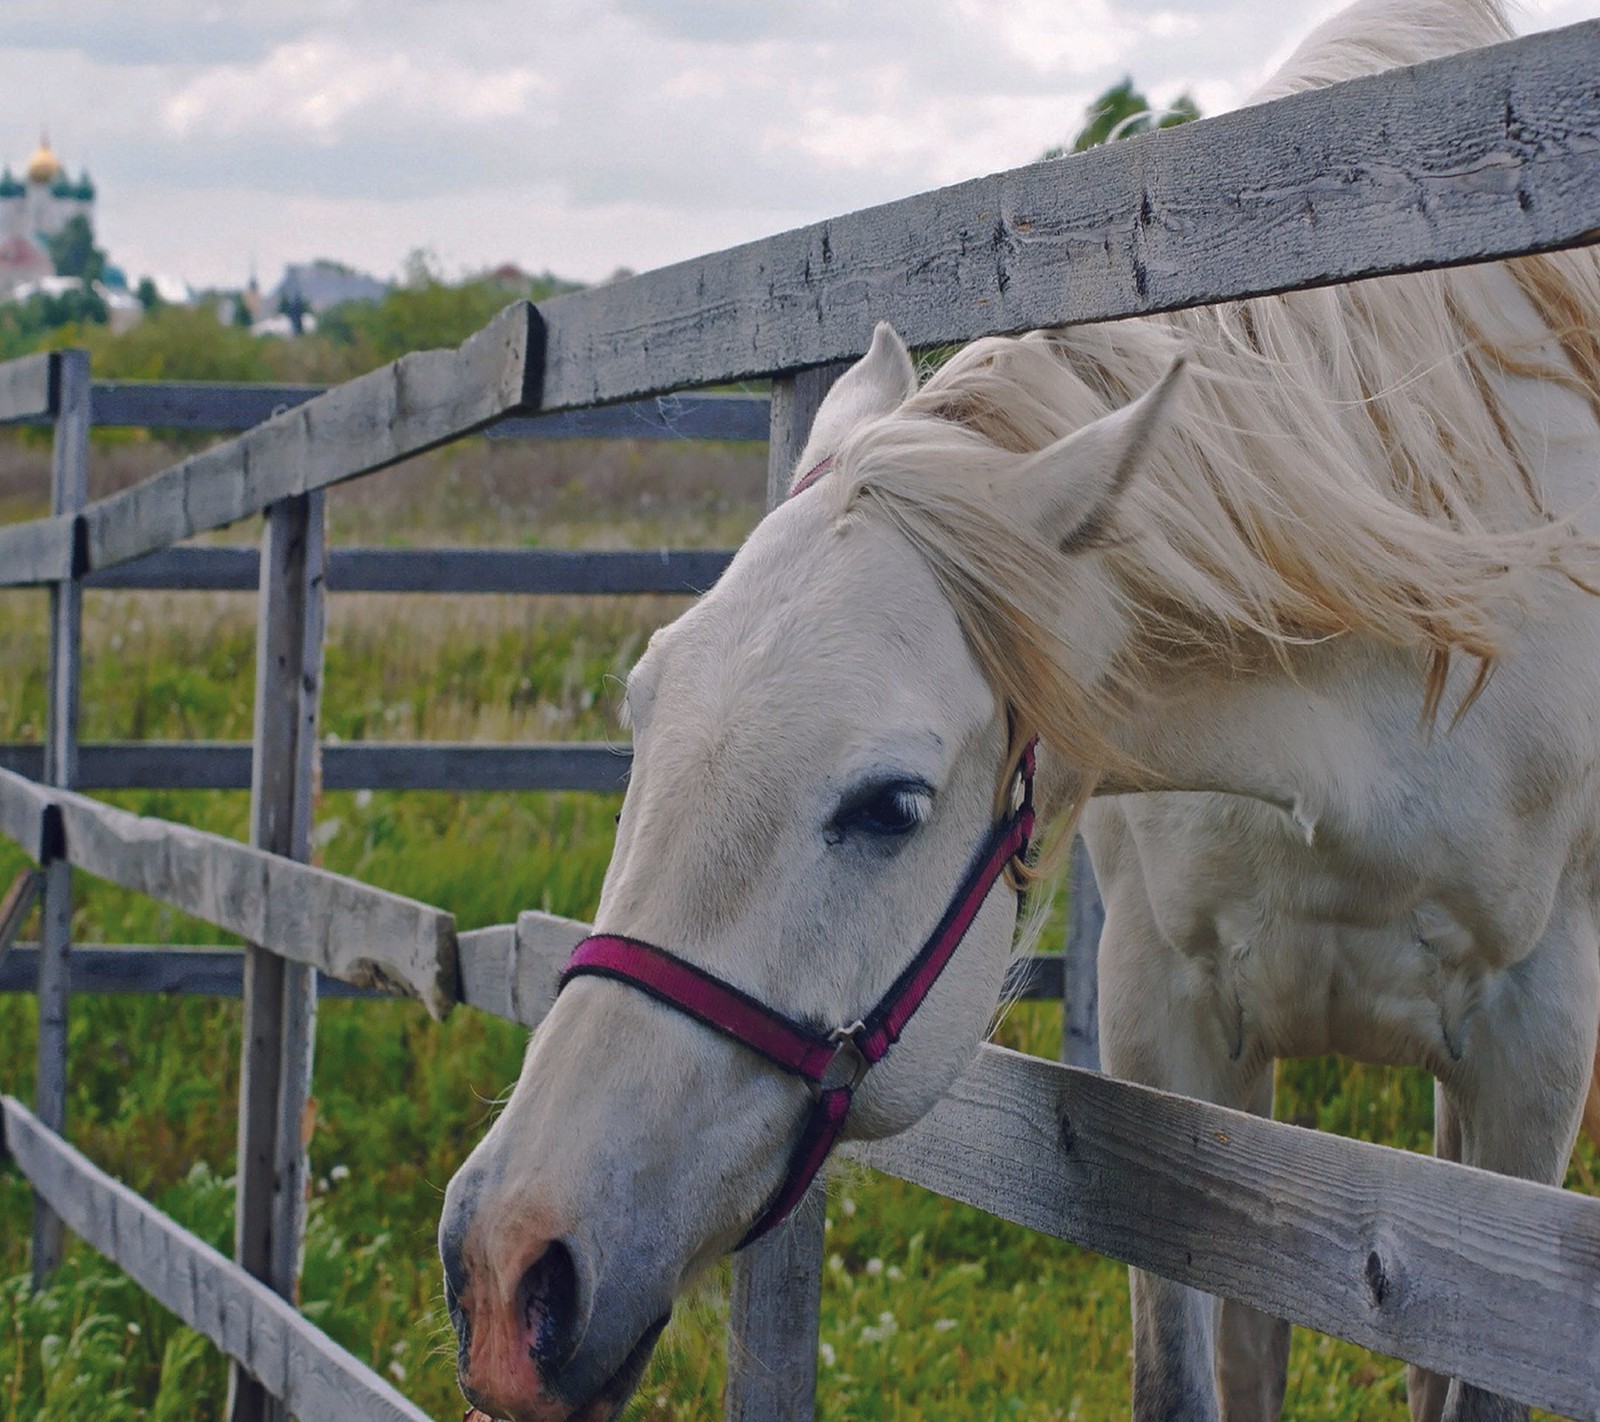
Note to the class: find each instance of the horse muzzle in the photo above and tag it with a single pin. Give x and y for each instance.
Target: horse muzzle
(534, 1341)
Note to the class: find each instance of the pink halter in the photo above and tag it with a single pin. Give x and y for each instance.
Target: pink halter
(833, 1062)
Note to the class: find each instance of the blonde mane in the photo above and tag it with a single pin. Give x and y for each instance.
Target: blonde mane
(1341, 464)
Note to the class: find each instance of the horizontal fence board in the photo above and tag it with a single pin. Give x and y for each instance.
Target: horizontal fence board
(340, 926)
(291, 1357)
(227, 408)
(363, 765)
(1473, 1275)
(486, 956)
(401, 409)
(1480, 155)
(39, 551)
(534, 571)
(142, 968)
(192, 405)
(27, 388)
(744, 418)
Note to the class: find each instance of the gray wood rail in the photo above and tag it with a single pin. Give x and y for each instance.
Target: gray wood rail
(224, 408)
(532, 571)
(366, 936)
(487, 957)
(1486, 154)
(349, 765)
(280, 995)
(69, 485)
(1473, 1275)
(317, 1380)
(402, 409)
(773, 1311)
(27, 389)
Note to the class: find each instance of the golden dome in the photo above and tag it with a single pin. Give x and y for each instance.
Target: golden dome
(44, 166)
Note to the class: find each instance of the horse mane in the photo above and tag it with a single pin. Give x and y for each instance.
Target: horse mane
(1341, 464)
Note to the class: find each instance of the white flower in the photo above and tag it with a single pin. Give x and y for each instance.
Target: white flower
(826, 1353)
(874, 1268)
(338, 1173)
(943, 1325)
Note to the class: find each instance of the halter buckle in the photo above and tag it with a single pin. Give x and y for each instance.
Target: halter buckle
(849, 1062)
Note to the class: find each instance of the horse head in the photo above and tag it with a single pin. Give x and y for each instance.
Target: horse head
(819, 758)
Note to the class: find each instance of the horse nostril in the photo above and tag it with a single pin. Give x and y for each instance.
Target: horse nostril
(548, 1302)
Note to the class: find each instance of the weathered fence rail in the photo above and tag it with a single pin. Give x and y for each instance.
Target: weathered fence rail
(289, 1355)
(1483, 155)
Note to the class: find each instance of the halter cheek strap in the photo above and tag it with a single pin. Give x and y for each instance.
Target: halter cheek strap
(833, 1062)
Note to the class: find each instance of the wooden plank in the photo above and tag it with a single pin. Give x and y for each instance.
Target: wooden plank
(69, 490)
(1473, 1275)
(42, 550)
(489, 979)
(280, 997)
(193, 405)
(225, 408)
(1080, 972)
(533, 571)
(1480, 155)
(19, 899)
(293, 1359)
(672, 416)
(353, 765)
(27, 387)
(402, 409)
(512, 970)
(153, 969)
(776, 1297)
(363, 935)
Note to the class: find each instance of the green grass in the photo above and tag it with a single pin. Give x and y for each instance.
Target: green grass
(931, 1310)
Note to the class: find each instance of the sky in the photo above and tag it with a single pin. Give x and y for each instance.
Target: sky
(575, 136)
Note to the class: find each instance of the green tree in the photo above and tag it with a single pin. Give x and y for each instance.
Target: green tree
(1123, 111)
(73, 251)
(180, 343)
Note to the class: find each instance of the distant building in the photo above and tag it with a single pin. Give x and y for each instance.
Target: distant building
(310, 288)
(34, 208)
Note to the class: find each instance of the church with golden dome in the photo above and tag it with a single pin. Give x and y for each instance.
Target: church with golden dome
(34, 207)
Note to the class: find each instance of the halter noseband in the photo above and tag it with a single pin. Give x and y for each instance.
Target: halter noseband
(834, 1062)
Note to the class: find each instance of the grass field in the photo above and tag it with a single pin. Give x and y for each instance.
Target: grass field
(931, 1310)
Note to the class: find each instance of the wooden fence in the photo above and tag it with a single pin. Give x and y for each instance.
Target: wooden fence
(1470, 158)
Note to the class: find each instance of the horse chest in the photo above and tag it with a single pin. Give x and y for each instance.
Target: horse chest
(1377, 941)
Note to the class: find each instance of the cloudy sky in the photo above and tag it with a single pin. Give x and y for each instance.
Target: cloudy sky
(574, 135)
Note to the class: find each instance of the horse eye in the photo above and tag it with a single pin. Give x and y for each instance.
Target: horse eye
(884, 809)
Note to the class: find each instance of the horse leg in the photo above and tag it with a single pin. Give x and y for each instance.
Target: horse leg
(1156, 1031)
(1591, 1107)
(1515, 1096)
(1252, 1347)
(1425, 1390)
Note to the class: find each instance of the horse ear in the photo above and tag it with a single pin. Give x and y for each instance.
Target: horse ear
(1070, 490)
(877, 384)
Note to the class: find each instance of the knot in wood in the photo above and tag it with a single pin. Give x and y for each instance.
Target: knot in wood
(1067, 1133)
(1378, 1284)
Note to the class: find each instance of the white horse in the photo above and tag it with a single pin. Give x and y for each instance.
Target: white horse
(1308, 636)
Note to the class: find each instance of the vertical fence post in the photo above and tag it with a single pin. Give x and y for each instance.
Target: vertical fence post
(279, 996)
(1080, 976)
(777, 1282)
(69, 490)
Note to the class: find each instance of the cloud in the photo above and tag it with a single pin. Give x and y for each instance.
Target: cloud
(326, 90)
